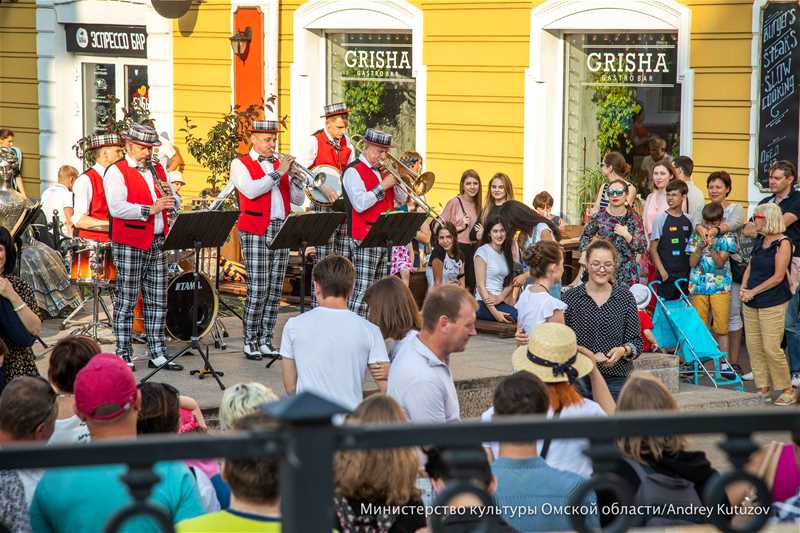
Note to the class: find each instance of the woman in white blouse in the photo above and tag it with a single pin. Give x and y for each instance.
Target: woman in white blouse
(493, 264)
(535, 305)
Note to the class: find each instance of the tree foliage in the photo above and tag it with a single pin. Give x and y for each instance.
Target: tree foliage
(616, 107)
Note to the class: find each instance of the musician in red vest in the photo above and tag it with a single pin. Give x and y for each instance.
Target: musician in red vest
(369, 193)
(90, 215)
(330, 146)
(138, 199)
(265, 194)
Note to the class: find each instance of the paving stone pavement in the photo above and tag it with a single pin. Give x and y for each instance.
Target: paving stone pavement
(487, 356)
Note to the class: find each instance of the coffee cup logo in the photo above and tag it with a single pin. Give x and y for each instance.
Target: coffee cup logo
(82, 37)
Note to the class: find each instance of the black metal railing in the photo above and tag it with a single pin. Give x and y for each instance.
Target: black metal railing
(306, 442)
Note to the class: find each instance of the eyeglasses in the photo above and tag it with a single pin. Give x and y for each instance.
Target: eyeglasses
(599, 267)
(616, 193)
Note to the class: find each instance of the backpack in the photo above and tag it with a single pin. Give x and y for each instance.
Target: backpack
(657, 489)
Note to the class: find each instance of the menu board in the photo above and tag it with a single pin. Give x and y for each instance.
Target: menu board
(779, 100)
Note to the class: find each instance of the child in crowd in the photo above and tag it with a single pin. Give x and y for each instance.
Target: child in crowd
(536, 304)
(543, 204)
(710, 279)
(642, 295)
(671, 232)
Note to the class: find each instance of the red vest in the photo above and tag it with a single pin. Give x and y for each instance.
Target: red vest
(98, 208)
(327, 154)
(256, 213)
(360, 222)
(138, 233)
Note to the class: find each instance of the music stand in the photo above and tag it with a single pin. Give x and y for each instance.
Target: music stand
(393, 229)
(197, 230)
(302, 230)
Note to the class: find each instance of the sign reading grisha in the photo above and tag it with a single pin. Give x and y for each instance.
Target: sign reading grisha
(107, 39)
(379, 60)
(640, 60)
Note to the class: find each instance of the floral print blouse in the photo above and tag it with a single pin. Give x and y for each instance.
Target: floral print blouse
(602, 225)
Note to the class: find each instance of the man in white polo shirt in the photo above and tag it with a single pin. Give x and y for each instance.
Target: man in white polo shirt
(420, 378)
(327, 350)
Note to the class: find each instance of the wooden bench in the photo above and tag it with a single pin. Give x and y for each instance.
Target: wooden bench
(503, 331)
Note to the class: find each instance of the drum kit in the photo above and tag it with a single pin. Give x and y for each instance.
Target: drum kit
(91, 267)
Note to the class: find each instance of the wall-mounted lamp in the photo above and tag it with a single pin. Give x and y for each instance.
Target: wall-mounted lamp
(240, 40)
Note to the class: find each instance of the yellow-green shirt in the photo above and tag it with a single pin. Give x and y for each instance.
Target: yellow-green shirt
(230, 521)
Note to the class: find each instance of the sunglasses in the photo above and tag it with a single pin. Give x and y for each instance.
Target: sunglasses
(757, 215)
(616, 193)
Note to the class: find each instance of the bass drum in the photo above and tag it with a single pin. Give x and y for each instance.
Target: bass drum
(180, 297)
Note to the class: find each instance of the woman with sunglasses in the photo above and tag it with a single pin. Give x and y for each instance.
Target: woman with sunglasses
(623, 228)
(604, 317)
(614, 167)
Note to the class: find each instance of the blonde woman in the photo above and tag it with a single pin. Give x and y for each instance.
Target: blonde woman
(765, 294)
(240, 400)
(382, 478)
(500, 191)
(664, 455)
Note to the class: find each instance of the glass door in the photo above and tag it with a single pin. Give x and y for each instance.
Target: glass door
(99, 89)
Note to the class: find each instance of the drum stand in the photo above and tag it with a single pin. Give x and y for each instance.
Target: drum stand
(90, 328)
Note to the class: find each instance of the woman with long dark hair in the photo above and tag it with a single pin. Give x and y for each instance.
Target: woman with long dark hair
(529, 227)
(499, 192)
(20, 312)
(494, 264)
(446, 263)
(462, 211)
(614, 167)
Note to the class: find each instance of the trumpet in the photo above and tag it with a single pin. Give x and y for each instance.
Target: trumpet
(301, 177)
(414, 185)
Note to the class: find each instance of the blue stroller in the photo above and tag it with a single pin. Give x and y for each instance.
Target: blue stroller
(677, 325)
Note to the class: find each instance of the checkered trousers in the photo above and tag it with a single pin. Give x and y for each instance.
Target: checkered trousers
(371, 265)
(338, 244)
(265, 272)
(146, 270)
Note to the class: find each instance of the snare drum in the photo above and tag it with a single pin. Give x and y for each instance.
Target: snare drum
(92, 260)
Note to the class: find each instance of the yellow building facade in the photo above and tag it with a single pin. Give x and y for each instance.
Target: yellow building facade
(490, 85)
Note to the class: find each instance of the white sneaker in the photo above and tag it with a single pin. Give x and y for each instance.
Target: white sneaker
(268, 351)
(796, 379)
(747, 377)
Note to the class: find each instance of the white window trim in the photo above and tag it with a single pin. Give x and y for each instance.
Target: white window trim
(271, 14)
(60, 79)
(544, 95)
(308, 76)
(754, 192)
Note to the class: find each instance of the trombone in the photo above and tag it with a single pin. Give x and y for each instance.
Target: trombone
(414, 185)
(302, 177)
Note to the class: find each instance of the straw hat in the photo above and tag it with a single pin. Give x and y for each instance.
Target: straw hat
(552, 355)
(641, 294)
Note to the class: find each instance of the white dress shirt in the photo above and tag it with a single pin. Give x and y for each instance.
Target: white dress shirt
(117, 196)
(82, 191)
(308, 154)
(250, 188)
(55, 198)
(360, 198)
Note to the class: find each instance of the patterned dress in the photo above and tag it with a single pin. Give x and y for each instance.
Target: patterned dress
(602, 225)
(20, 361)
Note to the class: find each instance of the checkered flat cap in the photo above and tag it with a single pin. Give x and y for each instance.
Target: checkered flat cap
(143, 135)
(104, 139)
(378, 138)
(331, 110)
(265, 126)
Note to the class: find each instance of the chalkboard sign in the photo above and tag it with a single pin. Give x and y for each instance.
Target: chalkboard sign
(779, 97)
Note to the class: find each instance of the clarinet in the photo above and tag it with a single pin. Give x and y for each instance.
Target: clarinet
(172, 212)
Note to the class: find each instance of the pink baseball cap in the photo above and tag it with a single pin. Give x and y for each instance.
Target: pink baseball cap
(105, 388)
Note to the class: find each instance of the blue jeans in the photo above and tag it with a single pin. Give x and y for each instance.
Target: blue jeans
(792, 327)
(484, 314)
(614, 383)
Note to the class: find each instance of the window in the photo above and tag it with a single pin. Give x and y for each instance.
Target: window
(620, 93)
(137, 91)
(372, 74)
(99, 88)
